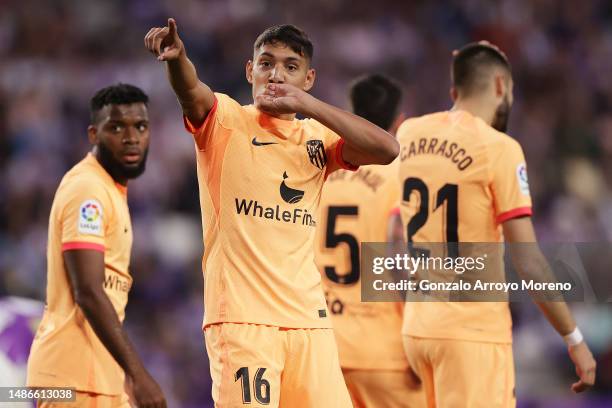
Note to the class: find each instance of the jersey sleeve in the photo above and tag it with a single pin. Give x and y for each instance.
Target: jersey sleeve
(510, 183)
(85, 216)
(223, 117)
(333, 150)
(335, 161)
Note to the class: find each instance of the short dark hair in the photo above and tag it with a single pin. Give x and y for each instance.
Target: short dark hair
(471, 61)
(288, 34)
(376, 98)
(119, 94)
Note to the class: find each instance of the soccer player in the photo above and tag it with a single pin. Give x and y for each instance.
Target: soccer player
(465, 180)
(80, 342)
(267, 328)
(355, 207)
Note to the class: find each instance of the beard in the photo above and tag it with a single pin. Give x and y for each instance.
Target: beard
(118, 170)
(502, 115)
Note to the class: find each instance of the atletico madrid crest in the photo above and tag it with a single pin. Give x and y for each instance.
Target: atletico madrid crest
(316, 153)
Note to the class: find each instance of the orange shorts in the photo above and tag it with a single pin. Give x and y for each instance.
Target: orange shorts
(384, 389)
(89, 400)
(264, 366)
(463, 374)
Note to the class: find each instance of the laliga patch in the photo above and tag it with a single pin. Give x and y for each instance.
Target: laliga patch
(521, 175)
(90, 218)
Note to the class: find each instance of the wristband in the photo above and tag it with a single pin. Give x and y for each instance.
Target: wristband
(573, 338)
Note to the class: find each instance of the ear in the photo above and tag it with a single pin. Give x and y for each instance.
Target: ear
(310, 79)
(249, 71)
(92, 134)
(500, 86)
(453, 94)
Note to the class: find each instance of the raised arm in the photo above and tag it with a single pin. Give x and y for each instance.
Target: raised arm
(86, 272)
(365, 143)
(530, 263)
(195, 97)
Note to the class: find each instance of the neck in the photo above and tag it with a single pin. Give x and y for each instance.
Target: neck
(287, 116)
(282, 116)
(122, 182)
(479, 108)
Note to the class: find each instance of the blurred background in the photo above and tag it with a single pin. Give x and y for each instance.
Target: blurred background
(55, 54)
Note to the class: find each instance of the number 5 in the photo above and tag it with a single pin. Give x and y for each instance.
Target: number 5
(332, 240)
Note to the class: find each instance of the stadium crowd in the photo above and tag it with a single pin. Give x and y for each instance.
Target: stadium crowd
(56, 54)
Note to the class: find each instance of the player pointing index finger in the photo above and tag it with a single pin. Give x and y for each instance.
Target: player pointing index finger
(261, 171)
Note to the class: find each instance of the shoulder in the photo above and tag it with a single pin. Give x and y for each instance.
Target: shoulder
(81, 184)
(314, 129)
(230, 113)
(497, 141)
(410, 126)
(82, 196)
(407, 125)
(310, 124)
(224, 99)
(225, 103)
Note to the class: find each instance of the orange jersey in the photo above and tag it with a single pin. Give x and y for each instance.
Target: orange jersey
(89, 211)
(355, 208)
(461, 179)
(260, 183)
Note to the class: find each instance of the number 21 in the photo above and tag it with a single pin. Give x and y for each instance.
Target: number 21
(448, 193)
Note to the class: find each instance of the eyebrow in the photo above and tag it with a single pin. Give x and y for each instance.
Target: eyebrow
(267, 54)
(123, 121)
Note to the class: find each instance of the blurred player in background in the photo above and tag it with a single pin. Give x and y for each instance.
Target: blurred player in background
(80, 342)
(267, 328)
(355, 207)
(464, 180)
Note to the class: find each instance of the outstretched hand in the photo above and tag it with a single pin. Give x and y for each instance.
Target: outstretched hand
(164, 42)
